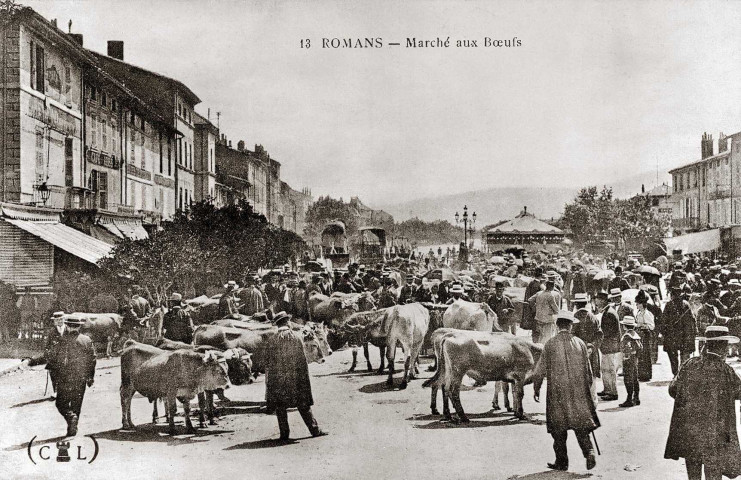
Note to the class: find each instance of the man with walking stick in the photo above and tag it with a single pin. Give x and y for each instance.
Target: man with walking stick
(569, 402)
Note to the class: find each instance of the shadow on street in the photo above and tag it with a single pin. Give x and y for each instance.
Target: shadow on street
(264, 443)
(33, 402)
(158, 433)
(551, 475)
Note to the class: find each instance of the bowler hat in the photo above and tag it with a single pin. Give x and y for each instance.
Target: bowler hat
(281, 318)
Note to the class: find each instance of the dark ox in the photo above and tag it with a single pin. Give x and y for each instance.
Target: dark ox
(101, 328)
(484, 356)
(254, 342)
(179, 374)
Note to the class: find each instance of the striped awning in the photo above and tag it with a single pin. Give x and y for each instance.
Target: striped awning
(68, 239)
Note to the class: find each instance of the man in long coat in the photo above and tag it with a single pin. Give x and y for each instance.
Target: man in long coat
(610, 348)
(703, 427)
(227, 303)
(589, 331)
(73, 361)
(53, 337)
(287, 383)
(678, 329)
(252, 297)
(528, 310)
(569, 402)
(547, 305)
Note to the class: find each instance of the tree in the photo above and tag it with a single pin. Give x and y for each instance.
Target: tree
(596, 215)
(201, 247)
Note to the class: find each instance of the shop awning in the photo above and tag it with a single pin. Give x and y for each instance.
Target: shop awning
(68, 239)
(694, 242)
(131, 229)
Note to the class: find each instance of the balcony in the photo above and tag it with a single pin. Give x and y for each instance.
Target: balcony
(719, 193)
(64, 197)
(686, 223)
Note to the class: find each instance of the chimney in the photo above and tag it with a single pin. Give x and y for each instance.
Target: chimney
(643, 188)
(524, 210)
(76, 37)
(116, 49)
(722, 143)
(230, 144)
(240, 145)
(706, 145)
(54, 22)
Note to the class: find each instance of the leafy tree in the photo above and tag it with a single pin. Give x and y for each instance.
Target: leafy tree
(431, 233)
(203, 246)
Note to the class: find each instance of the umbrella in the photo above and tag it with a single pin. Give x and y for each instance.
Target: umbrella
(605, 274)
(629, 295)
(496, 259)
(649, 270)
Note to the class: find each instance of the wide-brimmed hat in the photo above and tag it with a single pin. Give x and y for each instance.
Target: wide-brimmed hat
(615, 292)
(176, 297)
(650, 289)
(57, 315)
(581, 298)
(718, 333)
(280, 318)
(457, 288)
(566, 315)
(74, 321)
(231, 284)
(628, 321)
(734, 282)
(603, 294)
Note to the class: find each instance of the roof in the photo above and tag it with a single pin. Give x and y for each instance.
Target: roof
(68, 239)
(202, 122)
(525, 223)
(703, 160)
(659, 191)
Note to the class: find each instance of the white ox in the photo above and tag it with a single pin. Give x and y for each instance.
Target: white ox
(470, 316)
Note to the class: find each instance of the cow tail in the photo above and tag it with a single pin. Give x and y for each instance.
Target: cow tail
(435, 379)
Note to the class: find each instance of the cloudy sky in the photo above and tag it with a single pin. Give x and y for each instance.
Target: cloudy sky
(597, 91)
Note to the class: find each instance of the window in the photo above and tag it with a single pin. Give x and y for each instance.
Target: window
(104, 99)
(132, 156)
(38, 68)
(114, 105)
(104, 133)
(180, 199)
(99, 186)
(68, 173)
(94, 131)
(169, 158)
(180, 151)
(114, 133)
(161, 157)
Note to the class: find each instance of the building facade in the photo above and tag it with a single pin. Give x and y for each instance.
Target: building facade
(705, 193)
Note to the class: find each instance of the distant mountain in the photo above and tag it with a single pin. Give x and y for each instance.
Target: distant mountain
(496, 204)
(490, 205)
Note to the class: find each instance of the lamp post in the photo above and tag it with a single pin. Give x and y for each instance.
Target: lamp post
(465, 219)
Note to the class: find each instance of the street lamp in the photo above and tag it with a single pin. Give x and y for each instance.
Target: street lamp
(466, 230)
(44, 191)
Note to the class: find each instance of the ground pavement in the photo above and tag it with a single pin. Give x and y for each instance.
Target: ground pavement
(374, 433)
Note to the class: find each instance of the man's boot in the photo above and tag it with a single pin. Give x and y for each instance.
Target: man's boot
(71, 424)
(591, 461)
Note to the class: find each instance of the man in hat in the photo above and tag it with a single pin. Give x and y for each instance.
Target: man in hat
(678, 329)
(287, 381)
(345, 285)
(177, 324)
(252, 296)
(619, 282)
(73, 362)
(610, 348)
(406, 295)
(654, 306)
(528, 311)
(630, 347)
(678, 277)
(227, 302)
(569, 402)
(547, 304)
(589, 331)
(53, 337)
(703, 427)
(457, 293)
(421, 294)
(503, 307)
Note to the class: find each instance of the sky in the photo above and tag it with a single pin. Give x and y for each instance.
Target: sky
(596, 92)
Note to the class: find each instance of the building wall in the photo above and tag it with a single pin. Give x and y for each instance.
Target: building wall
(185, 152)
(49, 131)
(205, 165)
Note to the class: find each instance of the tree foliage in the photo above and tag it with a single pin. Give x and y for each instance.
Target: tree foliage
(203, 246)
(595, 215)
(431, 233)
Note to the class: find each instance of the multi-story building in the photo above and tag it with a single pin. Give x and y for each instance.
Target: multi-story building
(206, 185)
(369, 217)
(661, 200)
(245, 172)
(175, 103)
(705, 193)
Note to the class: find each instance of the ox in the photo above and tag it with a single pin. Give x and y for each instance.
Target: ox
(319, 330)
(363, 328)
(484, 356)
(254, 342)
(179, 374)
(470, 316)
(334, 310)
(403, 325)
(101, 328)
